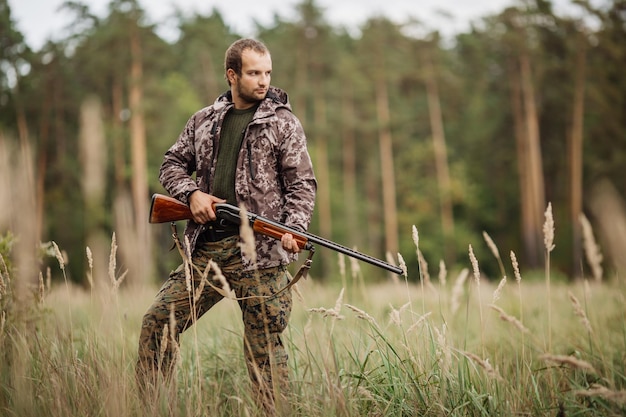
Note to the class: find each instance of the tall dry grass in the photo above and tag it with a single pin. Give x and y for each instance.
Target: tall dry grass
(395, 348)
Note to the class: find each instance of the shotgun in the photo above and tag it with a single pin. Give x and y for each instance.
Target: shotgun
(167, 209)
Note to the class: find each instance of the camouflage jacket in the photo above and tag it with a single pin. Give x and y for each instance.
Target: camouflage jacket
(274, 176)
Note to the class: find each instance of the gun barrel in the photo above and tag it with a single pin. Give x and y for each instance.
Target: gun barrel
(354, 254)
(275, 229)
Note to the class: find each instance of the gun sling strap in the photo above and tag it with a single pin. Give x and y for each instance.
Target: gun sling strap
(302, 271)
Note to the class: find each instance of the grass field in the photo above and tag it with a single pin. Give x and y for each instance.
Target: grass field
(459, 345)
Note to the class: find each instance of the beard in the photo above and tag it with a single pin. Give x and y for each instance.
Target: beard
(250, 96)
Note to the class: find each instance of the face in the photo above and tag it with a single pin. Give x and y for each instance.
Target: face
(251, 87)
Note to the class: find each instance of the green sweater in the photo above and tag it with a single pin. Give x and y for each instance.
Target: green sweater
(231, 137)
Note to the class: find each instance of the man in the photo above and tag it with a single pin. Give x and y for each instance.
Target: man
(247, 149)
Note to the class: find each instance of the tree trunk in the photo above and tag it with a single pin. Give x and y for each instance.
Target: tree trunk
(322, 171)
(349, 166)
(211, 87)
(534, 162)
(142, 261)
(94, 160)
(441, 156)
(527, 225)
(575, 144)
(119, 160)
(387, 167)
(42, 152)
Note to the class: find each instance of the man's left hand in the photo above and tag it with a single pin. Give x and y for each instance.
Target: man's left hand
(289, 243)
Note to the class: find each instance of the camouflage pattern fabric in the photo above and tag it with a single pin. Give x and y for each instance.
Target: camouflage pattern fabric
(264, 318)
(274, 176)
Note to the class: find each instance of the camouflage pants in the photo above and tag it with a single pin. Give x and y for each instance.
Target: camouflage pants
(264, 318)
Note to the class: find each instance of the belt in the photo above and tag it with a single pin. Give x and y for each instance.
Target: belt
(218, 230)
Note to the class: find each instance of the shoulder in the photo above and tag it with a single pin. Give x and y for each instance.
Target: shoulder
(208, 114)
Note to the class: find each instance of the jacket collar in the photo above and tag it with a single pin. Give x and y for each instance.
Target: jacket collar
(275, 99)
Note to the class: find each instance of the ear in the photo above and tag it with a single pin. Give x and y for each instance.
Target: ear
(231, 75)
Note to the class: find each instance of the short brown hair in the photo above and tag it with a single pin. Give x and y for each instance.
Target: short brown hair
(232, 59)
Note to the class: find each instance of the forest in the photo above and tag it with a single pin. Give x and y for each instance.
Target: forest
(458, 139)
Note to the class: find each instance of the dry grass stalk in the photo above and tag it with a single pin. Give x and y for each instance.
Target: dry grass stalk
(492, 246)
(90, 263)
(112, 260)
(518, 279)
(198, 291)
(457, 290)
(296, 291)
(115, 282)
(173, 341)
(341, 262)
(419, 321)
(498, 292)
(478, 295)
(58, 255)
(568, 360)
(597, 390)
(365, 393)
(405, 272)
(355, 268)
(591, 248)
(164, 341)
(187, 265)
(578, 310)
(3, 284)
(443, 273)
(443, 354)
(548, 229)
(475, 268)
(424, 270)
(510, 319)
(423, 266)
(548, 240)
(248, 244)
(48, 278)
(518, 276)
(226, 291)
(5, 277)
(362, 314)
(489, 370)
(415, 236)
(494, 250)
(4, 267)
(331, 312)
(41, 290)
(395, 316)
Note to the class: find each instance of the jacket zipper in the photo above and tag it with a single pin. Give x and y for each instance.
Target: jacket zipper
(250, 167)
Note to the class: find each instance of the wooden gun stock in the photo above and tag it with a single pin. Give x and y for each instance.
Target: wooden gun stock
(165, 209)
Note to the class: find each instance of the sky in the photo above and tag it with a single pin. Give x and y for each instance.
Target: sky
(40, 20)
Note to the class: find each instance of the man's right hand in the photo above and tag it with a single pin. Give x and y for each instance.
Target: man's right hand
(201, 205)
